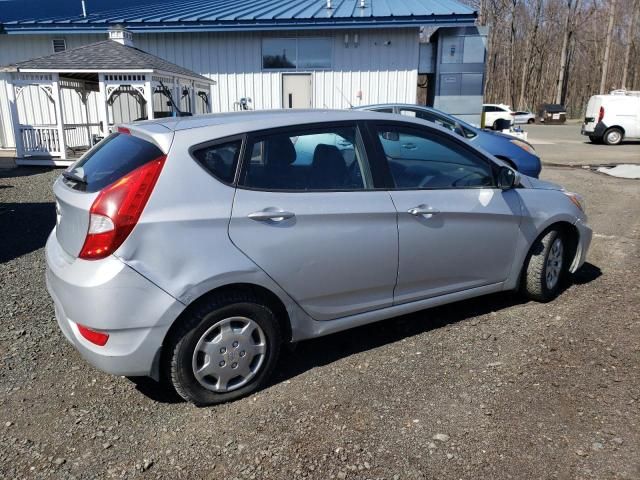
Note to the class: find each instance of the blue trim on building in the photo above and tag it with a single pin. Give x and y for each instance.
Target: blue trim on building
(252, 15)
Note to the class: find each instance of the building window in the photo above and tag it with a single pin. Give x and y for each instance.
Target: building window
(279, 53)
(59, 45)
(296, 53)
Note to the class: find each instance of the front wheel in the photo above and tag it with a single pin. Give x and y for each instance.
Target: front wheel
(224, 348)
(530, 121)
(545, 267)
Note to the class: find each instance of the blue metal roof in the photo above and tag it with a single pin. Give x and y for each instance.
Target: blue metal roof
(243, 15)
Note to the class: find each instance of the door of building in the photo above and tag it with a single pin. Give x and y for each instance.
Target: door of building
(296, 90)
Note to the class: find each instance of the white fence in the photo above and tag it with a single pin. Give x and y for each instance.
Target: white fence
(40, 140)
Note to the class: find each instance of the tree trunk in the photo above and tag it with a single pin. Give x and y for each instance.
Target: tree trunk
(512, 42)
(563, 54)
(529, 55)
(630, 38)
(607, 48)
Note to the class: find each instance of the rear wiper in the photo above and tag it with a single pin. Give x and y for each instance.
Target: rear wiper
(76, 178)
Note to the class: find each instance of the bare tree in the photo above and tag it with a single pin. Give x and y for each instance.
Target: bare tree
(526, 68)
(548, 51)
(630, 38)
(607, 48)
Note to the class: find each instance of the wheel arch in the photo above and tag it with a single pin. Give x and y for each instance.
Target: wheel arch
(617, 127)
(261, 293)
(569, 231)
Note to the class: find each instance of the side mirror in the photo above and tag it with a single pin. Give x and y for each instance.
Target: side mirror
(507, 178)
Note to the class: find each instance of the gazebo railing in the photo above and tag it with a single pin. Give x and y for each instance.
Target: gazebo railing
(78, 135)
(40, 140)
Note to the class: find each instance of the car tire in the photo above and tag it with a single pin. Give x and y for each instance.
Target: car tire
(545, 267)
(495, 125)
(209, 340)
(531, 120)
(613, 136)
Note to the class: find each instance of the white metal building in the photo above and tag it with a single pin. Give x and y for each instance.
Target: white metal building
(272, 54)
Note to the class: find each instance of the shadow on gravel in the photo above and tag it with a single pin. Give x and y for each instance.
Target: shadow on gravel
(155, 391)
(23, 171)
(325, 350)
(24, 227)
(587, 273)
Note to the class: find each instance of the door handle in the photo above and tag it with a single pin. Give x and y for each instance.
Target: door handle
(423, 210)
(409, 146)
(272, 215)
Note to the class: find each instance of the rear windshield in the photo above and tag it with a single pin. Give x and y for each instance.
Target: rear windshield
(110, 160)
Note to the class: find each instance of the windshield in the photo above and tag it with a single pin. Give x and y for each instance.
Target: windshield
(462, 123)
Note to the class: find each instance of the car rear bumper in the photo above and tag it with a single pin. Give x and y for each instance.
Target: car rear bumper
(109, 296)
(593, 130)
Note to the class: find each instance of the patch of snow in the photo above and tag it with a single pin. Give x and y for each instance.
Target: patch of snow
(622, 171)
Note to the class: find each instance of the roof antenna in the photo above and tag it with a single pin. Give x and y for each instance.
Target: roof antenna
(84, 9)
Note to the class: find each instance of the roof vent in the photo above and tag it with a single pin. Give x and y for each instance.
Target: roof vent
(121, 35)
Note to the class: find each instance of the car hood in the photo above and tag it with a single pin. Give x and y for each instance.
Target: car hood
(530, 182)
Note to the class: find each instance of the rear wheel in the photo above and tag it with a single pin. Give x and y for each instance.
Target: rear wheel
(530, 121)
(495, 125)
(545, 268)
(224, 348)
(613, 136)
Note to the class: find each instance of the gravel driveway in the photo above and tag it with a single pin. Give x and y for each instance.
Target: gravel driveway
(492, 388)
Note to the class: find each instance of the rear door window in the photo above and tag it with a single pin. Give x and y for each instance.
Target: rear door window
(113, 158)
(307, 159)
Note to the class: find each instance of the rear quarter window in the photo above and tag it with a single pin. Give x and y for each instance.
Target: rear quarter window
(113, 158)
(220, 160)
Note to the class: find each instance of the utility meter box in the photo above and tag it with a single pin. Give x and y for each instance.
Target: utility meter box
(455, 73)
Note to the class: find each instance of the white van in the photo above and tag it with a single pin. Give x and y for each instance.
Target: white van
(612, 118)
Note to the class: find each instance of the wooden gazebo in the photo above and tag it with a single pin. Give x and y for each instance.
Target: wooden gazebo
(63, 103)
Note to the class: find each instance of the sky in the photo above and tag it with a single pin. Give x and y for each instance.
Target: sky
(28, 9)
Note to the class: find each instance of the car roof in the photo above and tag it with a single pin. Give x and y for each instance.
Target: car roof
(267, 118)
(198, 128)
(419, 107)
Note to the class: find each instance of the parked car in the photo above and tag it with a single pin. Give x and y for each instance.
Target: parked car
(517, 153)
(524, 117)
(612, 118)
(494, 112)
(192, 249)
(552, 113)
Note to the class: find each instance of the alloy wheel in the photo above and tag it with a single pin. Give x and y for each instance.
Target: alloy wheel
(554, 264)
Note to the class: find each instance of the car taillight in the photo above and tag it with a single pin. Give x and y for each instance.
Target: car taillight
(117, 209)
(95, 337)
(601, 114)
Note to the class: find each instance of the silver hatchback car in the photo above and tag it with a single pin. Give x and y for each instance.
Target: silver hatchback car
(192, 249)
